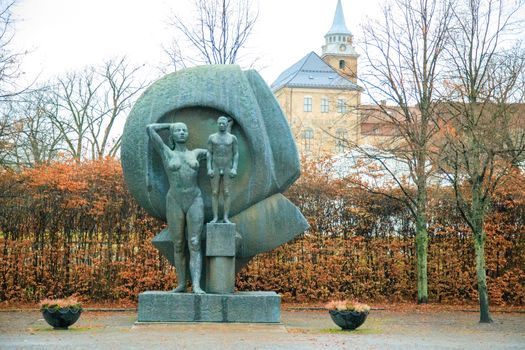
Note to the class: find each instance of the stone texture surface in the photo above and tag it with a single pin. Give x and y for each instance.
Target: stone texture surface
(220, 278)
(268, 161)
(220, 239)
(220, 253)
(263, 227)
(244, 307)
(268, 224)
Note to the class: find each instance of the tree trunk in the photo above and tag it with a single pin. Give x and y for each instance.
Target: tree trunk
(479, 244)
(421, 228)
(421, 251)
(477, 219)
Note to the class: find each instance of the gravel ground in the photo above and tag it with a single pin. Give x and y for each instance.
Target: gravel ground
(299, 330)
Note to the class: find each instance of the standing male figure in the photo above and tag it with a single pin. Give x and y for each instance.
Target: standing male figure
(222, 159)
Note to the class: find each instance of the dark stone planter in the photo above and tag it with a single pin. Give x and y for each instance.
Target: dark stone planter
(348, 320)
(61, 318)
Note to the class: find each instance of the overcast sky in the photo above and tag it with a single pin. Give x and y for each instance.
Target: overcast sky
(62, 35)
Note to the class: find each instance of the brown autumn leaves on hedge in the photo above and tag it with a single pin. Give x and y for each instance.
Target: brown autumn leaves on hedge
(73, 228)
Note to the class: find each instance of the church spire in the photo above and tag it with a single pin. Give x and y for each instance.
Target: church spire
(339, 25)
(339, 50)
(338, 40)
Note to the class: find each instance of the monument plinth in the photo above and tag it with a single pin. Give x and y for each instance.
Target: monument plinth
(197, 139)
(220, 251)
(245, 307)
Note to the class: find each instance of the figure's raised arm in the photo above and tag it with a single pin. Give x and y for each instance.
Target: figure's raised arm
(159, 126)
(158, 143)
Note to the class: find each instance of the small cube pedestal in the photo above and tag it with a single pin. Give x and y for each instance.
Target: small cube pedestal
(220, 252)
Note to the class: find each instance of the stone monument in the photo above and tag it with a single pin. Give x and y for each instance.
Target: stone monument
(250, 160)
(222, 162)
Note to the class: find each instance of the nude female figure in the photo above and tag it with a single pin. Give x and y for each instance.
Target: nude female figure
(184, 205)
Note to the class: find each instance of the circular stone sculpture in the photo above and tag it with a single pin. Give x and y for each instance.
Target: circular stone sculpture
(268, 159)
(197, 96)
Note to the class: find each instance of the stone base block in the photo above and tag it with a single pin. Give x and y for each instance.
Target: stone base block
(247, 307)
(220, 278)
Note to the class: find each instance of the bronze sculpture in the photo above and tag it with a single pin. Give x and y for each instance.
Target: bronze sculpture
(222, 161)
(183, 201)
(268, 165)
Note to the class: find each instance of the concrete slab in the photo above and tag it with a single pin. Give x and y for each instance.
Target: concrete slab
(247, 307)
(301, 330)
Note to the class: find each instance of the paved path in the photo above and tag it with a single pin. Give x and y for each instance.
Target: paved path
(299, 330)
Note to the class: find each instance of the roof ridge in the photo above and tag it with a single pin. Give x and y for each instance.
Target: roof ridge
(306, 60)
(316, 70)
(312, 66)
(292, 74)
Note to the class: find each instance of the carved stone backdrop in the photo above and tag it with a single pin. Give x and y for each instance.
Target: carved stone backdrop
(268, 159)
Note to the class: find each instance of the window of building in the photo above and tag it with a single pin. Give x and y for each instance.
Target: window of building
(324, 105)
(342, 64)
(341, 105)
(307, 104)
(341, 137)
(308, 135)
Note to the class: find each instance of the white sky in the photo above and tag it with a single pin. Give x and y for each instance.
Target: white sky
(62, 35)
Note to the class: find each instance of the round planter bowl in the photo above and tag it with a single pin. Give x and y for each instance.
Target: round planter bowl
(348, 320)
(61, 318)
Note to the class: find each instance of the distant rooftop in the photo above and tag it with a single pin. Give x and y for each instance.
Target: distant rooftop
(312, 72)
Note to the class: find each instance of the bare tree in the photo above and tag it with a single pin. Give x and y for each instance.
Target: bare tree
(119, 89)
(175, 58)
(9, 85)
(37, 140)
(9, 60)
(90, 103)
(483, 134)
(216, 35)
(78, 104)
(403, 54)
(9, 130)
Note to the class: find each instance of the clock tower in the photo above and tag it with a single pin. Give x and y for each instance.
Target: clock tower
(338, 50)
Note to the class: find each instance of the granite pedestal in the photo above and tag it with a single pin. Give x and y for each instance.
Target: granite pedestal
(247, 307)
(220, 253)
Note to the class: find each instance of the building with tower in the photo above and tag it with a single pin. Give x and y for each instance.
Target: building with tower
(320, 95)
